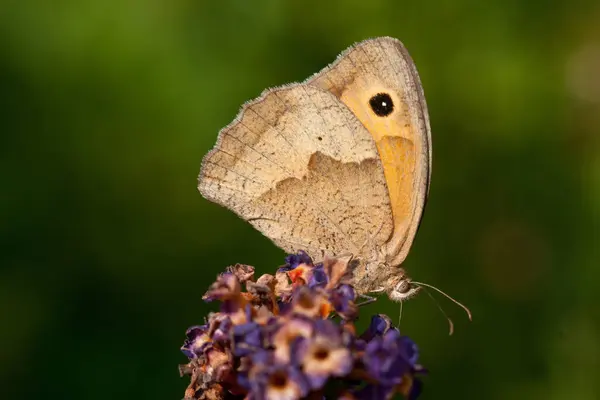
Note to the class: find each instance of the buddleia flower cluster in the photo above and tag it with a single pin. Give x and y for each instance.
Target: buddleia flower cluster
(292, 335)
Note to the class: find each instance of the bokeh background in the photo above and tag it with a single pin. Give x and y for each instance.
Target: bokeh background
(107, 108)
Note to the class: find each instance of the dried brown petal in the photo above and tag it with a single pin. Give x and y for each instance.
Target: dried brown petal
(283, 286)
(338, 270)
(243, 272)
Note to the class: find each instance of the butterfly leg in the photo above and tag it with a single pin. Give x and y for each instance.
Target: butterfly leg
(367, 300)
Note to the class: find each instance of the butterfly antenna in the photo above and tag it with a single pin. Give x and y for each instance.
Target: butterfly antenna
(458, 303)
(400, 314)
(450, 323)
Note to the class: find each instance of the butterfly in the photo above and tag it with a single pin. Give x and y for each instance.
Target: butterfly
(337, 164)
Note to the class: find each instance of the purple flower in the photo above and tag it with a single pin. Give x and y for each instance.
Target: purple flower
(278, 381)
(317, 276)
(273, 338)
(251, 365)
(313, 303)
(380, 324)
(342, 299)
(247, 338)
(292, 261)
(389, 357)
(324, 354)
(222, 330)
(196, 338)
(286, 335)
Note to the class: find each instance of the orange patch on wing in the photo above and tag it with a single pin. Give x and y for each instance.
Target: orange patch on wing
(395, 137)
(398, 158)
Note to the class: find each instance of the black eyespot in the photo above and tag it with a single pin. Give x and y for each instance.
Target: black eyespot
(382, 104)
(320, 138)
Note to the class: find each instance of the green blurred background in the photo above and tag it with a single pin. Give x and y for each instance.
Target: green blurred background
(106, 246)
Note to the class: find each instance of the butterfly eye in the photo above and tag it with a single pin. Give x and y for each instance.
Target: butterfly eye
(403, 287)
(382, 104)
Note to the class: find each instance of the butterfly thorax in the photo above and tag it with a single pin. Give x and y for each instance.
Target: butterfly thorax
(377, 277)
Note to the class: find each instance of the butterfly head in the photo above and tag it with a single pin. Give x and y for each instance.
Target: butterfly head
(401, 288)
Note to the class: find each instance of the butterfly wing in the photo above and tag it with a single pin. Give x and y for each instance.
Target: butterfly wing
(299, 166)
(378, 81)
